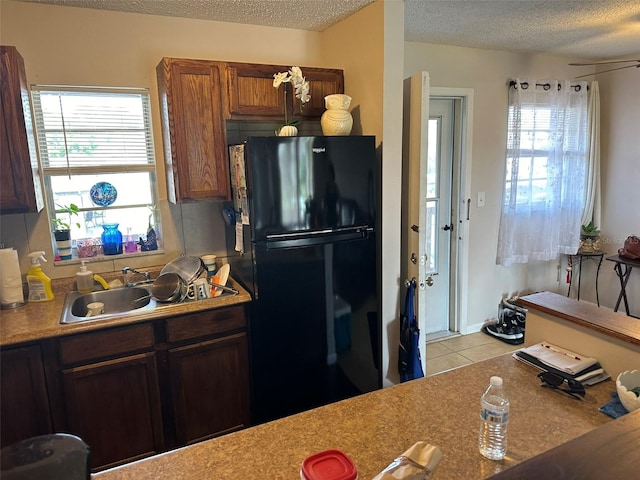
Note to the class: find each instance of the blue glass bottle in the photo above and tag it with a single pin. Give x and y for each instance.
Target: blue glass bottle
(111, 239)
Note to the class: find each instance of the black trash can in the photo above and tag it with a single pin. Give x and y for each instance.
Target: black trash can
(46, 457)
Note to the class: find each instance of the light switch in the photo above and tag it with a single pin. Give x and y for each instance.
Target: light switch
(480, 199)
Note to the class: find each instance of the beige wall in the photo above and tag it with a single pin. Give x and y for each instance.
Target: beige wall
(487, 72)
(378, 77)
(620, 132)
(393, 289)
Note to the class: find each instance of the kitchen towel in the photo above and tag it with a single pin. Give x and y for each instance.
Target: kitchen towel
(10, 278)
(614, 408)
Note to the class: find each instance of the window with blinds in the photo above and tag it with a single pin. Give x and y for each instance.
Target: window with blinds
(533, 148)
(96, 150)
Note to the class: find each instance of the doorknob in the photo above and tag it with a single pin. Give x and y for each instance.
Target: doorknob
(429, 280)
(448, 227)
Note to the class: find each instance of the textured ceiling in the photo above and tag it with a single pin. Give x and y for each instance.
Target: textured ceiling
(591, 29)
(584, 29)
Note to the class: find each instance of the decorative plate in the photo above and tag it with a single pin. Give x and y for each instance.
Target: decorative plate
(103, 194)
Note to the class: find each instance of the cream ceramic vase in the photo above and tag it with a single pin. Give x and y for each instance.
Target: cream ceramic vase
(337, 119)
(288, 131)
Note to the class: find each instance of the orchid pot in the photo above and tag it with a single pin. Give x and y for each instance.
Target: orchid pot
(288, 131)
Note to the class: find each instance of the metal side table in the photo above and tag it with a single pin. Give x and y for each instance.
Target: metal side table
(623, 276)
(580, 256)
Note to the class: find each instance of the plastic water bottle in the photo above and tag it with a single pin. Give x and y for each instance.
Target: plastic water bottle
(494, 418)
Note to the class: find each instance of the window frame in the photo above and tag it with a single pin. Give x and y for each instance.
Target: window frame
(147, 166)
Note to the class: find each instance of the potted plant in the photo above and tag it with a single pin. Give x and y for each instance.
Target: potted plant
(62, 229)
(589, 231)
(589, 238)
(301, 87)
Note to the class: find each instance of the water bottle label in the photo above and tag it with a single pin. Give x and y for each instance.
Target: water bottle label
(494, 417)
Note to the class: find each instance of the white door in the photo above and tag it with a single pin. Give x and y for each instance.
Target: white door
(432, 199)
(416, 124)
(439, 222)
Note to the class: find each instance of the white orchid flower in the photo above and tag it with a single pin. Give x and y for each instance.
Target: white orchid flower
(296, 75)
(279, 78)
(300, 84)
(302, 91)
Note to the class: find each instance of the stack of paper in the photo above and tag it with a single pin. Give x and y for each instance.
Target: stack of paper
(566, 363)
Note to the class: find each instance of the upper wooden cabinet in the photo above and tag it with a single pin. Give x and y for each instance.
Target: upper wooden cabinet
(251, 94)
(20, 186)
(193, 129)
(198, 96)
(322, 82)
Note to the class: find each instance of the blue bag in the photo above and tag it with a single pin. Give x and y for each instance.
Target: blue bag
(409, 362)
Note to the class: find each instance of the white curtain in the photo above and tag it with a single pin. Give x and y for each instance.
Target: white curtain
(545, 171)
(592, 189)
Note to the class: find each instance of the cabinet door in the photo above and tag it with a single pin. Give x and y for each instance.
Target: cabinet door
(251, 92)
(210, 387)
(252, 95)
(20, 186)
(24, 406)
(322, 82)
(114, 406)
(194, 130)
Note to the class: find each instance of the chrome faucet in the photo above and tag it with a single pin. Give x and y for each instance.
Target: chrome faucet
(128, 271)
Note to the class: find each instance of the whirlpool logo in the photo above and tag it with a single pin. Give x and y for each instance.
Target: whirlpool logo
(318, 149)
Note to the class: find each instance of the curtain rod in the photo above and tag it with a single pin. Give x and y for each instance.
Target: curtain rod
(545, 86)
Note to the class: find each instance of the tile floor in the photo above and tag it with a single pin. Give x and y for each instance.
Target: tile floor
(453, 352)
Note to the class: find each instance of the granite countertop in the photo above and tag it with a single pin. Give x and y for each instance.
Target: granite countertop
(375, 428)
(37, 321)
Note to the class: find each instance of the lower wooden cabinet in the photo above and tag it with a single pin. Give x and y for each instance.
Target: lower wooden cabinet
(24, 406)
(114, 406)
(108, 393)
(210, 388)
(208, 372)
(134, 391)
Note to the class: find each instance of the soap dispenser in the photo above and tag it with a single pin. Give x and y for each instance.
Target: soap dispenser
(39, 284)
(84, 279)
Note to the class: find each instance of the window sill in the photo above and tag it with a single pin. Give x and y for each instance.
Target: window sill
(106, 258)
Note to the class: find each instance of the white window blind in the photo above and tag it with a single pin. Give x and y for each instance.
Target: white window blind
(104, 128)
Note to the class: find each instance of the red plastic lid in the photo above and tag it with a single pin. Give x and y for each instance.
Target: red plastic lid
(329, 465)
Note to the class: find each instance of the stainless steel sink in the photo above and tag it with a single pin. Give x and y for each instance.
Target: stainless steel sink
(117, 302)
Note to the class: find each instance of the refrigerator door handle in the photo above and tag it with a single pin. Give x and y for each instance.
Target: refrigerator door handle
(316, 238)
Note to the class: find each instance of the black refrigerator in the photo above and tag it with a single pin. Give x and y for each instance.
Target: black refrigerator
(305, 242)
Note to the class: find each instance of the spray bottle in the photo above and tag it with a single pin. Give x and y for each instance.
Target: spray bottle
(39, 283)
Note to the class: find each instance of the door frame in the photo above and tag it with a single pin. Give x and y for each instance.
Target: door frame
(460, 248)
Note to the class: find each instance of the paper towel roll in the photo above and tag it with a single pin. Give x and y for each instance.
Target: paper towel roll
(10, 278)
